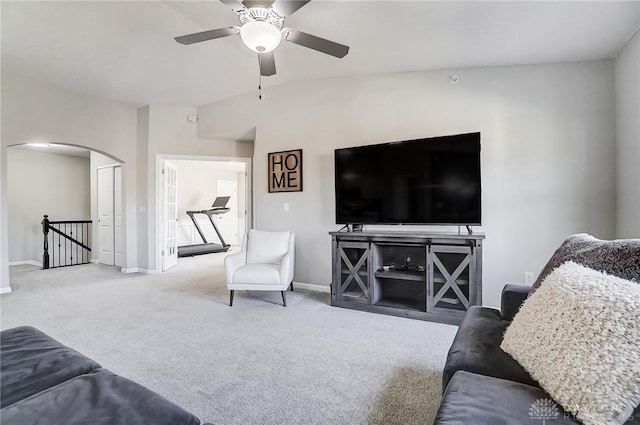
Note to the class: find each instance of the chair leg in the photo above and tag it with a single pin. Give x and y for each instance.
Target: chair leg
(284, 297)
(231, 298)
(291, 284)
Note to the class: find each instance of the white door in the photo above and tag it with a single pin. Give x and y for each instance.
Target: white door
(105, 216)
(228, 223)
(118, 218)
(170, 218)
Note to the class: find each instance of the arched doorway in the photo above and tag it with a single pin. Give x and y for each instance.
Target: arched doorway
(63, 182)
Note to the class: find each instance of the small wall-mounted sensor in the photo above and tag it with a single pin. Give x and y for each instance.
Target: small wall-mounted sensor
(192, 118)
(453, 79)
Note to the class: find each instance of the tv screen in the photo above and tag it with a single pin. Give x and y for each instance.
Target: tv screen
(424, 181)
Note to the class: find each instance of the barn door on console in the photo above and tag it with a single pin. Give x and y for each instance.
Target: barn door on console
(450, 270)
(352, 268)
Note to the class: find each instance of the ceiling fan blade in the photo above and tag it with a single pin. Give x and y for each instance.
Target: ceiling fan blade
(207, 35)
(267, 64)
(233, 4)
(316, 43)
(285, 8)
(256, 3)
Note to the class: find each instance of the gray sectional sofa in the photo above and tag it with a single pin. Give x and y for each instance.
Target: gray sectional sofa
(45, 382)
(482, 384)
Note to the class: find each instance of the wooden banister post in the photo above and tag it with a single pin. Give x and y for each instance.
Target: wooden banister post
(45, 231)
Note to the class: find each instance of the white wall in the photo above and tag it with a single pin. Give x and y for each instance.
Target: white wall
(42, 183)
(627, 78)
(548, 152)
(35, 110)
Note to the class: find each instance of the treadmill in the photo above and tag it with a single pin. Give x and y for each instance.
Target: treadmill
(218, 207)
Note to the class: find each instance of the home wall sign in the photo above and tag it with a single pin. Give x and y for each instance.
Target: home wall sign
(285, 171)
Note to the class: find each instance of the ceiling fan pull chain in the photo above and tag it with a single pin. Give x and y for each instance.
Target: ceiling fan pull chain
(260, 96)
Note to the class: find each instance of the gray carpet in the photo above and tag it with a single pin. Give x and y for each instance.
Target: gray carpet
(254, 363)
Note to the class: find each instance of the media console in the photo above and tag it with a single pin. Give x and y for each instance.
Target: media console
(426, 276)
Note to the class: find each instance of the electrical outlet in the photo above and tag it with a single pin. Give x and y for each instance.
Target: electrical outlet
(286, 207)
(529, 278)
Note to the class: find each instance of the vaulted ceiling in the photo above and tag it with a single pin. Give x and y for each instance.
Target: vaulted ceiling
(125, 51)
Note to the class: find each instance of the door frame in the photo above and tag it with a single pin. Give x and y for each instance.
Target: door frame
(159, 231)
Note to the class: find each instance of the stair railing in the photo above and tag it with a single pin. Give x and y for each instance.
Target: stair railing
(70, 239)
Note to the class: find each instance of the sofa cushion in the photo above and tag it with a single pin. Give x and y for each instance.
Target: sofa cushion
(97, 398)
(618, 257)
(483, 400)
(31, 361)
(267, 247)
(578, 335)
(258, 274)
(476, 348)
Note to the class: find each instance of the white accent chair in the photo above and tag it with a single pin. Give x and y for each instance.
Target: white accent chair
(265, 263)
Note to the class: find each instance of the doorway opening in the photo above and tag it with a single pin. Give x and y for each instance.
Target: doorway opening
(187, 188)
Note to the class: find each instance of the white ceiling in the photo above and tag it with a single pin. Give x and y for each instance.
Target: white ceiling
(125, 50)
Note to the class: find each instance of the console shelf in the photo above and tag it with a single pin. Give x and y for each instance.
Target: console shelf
(429, 276)
(401, 304)
(400, 275)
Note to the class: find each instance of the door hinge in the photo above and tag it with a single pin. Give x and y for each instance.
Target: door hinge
(162, 253)
(163, 171)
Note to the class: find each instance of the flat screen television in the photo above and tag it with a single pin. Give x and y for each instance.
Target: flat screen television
(423, 181)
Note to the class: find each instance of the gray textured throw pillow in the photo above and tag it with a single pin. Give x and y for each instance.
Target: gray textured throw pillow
(619, 257)
(578, 336)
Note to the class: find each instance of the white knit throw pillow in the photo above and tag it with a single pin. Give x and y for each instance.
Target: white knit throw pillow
(578, 335)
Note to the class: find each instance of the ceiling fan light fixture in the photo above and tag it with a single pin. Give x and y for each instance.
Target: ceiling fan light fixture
(260, 36)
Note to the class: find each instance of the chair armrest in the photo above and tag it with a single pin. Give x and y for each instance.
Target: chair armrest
(233, 262)
(286, 268)
(512, 298)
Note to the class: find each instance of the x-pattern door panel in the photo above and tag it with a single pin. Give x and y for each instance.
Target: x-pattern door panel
(353, 272)
(450, 268)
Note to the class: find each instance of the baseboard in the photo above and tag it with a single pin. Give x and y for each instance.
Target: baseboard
(311, 287)
(29, 262)
(137, 270)
(5, 290)
(93, 261)
(129, 270)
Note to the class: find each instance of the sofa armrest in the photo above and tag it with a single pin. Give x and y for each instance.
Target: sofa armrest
(512, 298)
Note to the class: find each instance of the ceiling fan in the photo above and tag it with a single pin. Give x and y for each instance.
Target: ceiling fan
(262, 28)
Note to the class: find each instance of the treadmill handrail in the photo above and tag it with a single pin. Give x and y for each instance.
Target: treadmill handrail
(211, 210)
(209, 213)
